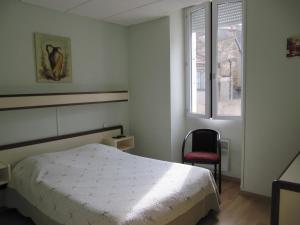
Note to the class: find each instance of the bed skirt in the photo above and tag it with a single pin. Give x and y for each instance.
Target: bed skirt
(14, 200)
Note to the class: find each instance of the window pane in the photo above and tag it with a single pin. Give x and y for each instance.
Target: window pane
(229, 59)
(198, 62)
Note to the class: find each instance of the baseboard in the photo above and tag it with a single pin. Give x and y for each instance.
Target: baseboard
(250, 194)
(234, 179)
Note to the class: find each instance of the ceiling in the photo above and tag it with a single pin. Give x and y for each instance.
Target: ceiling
(123, 12)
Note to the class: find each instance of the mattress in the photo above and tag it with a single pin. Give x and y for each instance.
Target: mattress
(97, 184)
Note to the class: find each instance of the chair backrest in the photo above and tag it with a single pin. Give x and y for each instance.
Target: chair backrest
(205, 140)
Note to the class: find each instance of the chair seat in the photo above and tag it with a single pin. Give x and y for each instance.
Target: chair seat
(202, 157)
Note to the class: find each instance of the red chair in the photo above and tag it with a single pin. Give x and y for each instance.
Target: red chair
(206, 149)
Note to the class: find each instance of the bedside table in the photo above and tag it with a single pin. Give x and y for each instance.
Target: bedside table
(123, 143)
(4, 174)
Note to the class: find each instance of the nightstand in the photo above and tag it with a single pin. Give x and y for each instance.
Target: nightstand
(4, 174)
(122, 143)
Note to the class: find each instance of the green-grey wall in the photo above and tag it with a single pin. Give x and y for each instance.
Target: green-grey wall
(177, 83)
(149, 84)
(272, 92)
(99, 63)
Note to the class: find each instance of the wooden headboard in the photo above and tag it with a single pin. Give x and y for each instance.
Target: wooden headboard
(13, 153)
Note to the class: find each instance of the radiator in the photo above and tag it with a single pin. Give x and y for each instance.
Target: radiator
(225, 152)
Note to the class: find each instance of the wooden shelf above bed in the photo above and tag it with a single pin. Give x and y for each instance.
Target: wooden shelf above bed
(28, 101)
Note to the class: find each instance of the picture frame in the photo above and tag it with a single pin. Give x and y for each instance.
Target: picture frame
(53, 58)
(293, 47)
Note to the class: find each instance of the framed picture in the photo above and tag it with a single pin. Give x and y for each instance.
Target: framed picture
(53, 58)
(293, 46)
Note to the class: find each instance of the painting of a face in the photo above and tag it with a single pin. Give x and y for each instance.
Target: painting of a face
(293, 47)
(53, 58)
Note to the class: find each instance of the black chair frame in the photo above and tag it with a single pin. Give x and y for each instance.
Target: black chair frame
(206, 162)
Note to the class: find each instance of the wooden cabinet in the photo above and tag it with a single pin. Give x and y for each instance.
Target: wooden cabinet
(122, 143)
(4, 174)
(286, 195)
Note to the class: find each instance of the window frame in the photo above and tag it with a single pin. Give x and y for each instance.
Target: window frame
(188, 25)
(211, 59)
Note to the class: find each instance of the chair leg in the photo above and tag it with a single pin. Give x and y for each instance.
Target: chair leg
(220, 178)
(192, 164)
(215, 172)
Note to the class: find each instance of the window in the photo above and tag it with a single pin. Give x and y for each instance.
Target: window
(215, 59)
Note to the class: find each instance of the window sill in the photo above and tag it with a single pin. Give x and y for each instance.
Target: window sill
(214, 118)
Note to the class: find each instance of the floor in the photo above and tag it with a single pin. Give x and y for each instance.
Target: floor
(236, 209)
(239, 208)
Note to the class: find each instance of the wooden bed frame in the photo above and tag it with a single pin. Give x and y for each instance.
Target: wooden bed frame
(13, 153)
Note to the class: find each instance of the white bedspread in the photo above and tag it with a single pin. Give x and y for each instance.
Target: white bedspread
(99, 185)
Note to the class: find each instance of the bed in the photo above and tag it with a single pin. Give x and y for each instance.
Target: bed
(95, 184)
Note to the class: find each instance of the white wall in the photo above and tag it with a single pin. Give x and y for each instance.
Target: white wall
(272, 130)
(99, 59)
(177, 83)
(149, 84)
